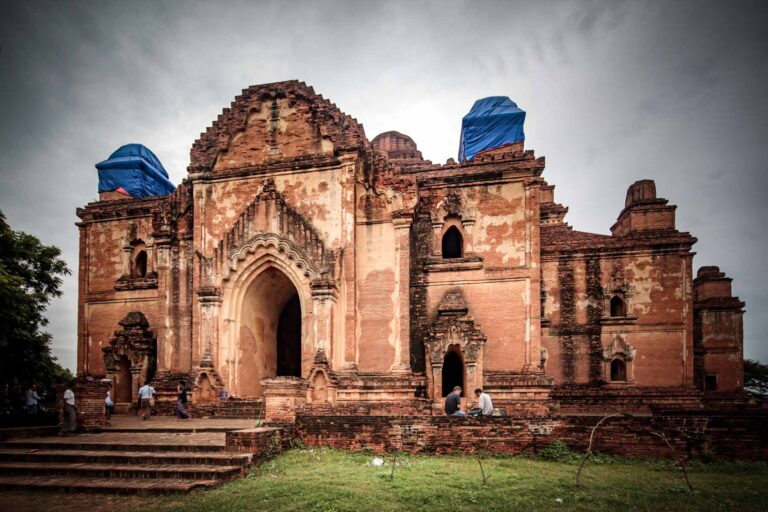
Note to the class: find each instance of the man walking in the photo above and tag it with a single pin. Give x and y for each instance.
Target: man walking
(147, 397)
(453, 403)
(69, 426)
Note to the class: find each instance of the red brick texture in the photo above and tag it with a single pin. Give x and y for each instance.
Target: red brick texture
(733, 436)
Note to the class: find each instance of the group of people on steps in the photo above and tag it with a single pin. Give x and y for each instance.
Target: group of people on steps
(146, 405)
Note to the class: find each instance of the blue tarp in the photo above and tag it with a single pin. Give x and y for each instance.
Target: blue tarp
(137, 170)
(493, 122)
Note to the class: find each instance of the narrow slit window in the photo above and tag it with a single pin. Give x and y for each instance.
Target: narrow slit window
(140, 264)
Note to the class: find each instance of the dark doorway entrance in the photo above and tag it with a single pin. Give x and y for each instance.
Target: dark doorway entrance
(289, 339)
(453, 372)
(123, 381)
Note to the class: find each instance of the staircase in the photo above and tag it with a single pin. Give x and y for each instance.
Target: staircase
(121, 462)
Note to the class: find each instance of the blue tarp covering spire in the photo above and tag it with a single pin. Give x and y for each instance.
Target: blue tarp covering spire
(492, 122)
(135, 169)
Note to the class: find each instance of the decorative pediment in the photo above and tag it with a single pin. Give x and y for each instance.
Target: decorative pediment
(453, 205)
(269, 221)
(136, 341)
(454, 327)
(619, 347)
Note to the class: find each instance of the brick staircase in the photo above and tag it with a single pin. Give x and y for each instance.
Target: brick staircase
(121, 462)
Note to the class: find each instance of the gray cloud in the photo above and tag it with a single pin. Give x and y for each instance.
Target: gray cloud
(615, 91)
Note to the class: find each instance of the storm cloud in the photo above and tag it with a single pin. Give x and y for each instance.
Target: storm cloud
(615, 92)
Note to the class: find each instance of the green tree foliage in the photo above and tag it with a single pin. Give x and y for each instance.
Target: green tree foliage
(756, 378)
(30, 276)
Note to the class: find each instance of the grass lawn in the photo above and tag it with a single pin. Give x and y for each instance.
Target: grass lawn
(329, 480)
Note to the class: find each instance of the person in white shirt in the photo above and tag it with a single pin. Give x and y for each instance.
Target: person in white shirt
(484, 402)
(69, 426)
(32, 399)
(109, 406)
(147, 397)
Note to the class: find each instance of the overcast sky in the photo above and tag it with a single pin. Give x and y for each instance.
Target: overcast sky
(615, 92)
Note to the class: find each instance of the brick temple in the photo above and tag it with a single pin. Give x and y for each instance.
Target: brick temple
(303, 266)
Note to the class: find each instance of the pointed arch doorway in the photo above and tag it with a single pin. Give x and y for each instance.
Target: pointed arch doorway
(270, 332)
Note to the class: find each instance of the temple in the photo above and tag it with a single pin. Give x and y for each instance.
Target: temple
(301, 266)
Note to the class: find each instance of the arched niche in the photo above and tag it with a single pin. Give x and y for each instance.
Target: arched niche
(618, 307)
(618, 362)
(618, 370)
(452, 245)
(453, 345)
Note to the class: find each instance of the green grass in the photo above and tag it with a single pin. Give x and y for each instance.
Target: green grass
(329, 480)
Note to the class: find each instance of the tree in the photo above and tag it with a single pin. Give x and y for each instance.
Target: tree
(756, 378)
(30, 276)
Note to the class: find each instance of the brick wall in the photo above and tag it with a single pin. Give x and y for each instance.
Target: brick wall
(740, 435)
(89, 399)
(263, 443)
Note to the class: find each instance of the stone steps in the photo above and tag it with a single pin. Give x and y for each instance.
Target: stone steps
(123, 457)
(135, 447)
(121, 462)
(105, 485)
(104, 470)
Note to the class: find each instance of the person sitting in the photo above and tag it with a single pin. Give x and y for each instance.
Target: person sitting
(453, 403)
(484, 403)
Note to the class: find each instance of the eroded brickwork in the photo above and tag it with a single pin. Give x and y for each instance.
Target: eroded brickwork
(288, 205)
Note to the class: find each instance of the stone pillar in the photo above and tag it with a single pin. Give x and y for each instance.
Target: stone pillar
(150, 259)
(402, 221)
(127, 253)
(323, 299)
(469, 245)
(350, 167)
(283, 397)
(164, 295)
(210, 302)
(82, 291)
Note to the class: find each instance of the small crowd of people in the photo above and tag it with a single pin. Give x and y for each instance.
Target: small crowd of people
(483, 407)
(147, 401)
(146, 405)
(147, 393)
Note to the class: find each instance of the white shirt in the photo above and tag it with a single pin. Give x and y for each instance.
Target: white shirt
(146, 391)
(484, 402)
(69, 397)
(32, 397)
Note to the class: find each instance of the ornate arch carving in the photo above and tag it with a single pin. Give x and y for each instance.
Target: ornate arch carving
(620, 349)
(137, 343)
(454, 328)
(269, 222)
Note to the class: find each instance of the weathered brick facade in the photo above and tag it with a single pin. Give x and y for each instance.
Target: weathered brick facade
(301, 263)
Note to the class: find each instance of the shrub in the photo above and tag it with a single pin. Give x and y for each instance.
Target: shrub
(557, 452)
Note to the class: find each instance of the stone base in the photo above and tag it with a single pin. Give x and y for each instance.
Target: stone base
(283, 397)
(381, 387)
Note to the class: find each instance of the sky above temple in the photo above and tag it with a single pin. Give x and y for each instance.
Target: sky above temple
(614, 91)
